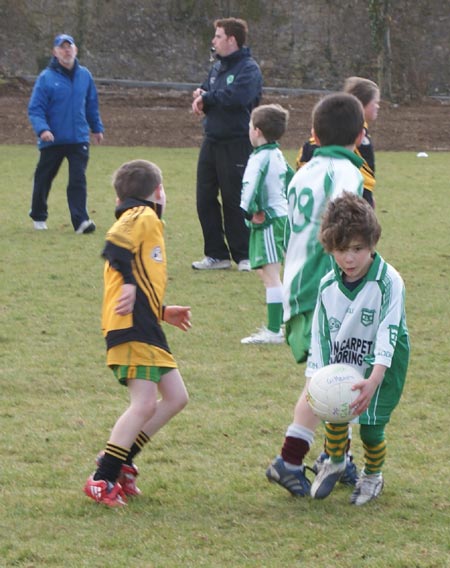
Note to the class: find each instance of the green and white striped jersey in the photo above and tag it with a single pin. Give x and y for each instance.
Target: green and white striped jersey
(333, 170)
(361, 328)
(264, 184)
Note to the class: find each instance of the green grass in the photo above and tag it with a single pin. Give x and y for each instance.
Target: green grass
(205, 499)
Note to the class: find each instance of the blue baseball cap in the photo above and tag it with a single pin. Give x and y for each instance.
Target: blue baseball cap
(60, 39)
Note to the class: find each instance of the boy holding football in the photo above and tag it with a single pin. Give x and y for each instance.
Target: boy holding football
(264, 203)
(361, 303)
(137, 351)
(337, 126)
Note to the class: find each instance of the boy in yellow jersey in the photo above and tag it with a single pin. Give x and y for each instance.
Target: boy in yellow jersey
(137, 351)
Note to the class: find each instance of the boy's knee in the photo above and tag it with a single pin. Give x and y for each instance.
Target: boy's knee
(182, 401)
(145, 409)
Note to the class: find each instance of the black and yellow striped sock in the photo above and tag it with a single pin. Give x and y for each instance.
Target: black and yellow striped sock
(336, 439)
(374, 457)
(141, 440)
(111, 462)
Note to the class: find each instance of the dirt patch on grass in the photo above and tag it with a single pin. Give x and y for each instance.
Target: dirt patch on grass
(154, 117)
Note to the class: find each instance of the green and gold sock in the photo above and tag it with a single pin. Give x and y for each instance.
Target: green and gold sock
(336, 439)
(374, 457)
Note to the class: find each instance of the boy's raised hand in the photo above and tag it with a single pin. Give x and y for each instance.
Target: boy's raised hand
(179, 316)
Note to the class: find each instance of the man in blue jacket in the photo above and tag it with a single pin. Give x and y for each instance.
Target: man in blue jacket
(63, 109)
(227, 98)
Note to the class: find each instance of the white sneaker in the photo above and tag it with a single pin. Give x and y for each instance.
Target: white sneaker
(209, 263)
(368, 487)
(244, 266)
(327, 477)
(264, 335)
(86, 227)
(40, 225)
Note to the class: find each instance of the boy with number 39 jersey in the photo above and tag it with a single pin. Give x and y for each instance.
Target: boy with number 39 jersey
(338, 122)
(334, 169)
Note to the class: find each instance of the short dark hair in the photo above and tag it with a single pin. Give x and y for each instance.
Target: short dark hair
(234, 27)
(364, 89)
(348, 217)
(271, 120)
(138, 179)
(338, 119)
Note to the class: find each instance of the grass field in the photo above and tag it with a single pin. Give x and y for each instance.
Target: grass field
(205, 499)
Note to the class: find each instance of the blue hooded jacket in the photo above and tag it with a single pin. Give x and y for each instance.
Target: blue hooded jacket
(233, 89)
(66, 104)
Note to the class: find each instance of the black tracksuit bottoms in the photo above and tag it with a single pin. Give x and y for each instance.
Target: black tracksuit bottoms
(48, 166)
(220, 167)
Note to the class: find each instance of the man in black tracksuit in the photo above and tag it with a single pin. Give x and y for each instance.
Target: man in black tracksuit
(227, 97)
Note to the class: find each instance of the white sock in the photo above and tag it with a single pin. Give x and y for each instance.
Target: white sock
(299, 431)
(274, 295)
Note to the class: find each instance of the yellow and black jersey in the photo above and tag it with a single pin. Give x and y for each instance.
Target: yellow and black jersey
(305, 153)
(135, 253)
(364, 150)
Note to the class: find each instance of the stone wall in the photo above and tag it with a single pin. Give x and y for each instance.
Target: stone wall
(310, 44)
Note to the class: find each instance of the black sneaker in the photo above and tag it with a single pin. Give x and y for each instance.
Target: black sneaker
(295, 481)
(86, 227)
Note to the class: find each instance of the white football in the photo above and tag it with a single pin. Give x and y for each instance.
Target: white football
(330, 392)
